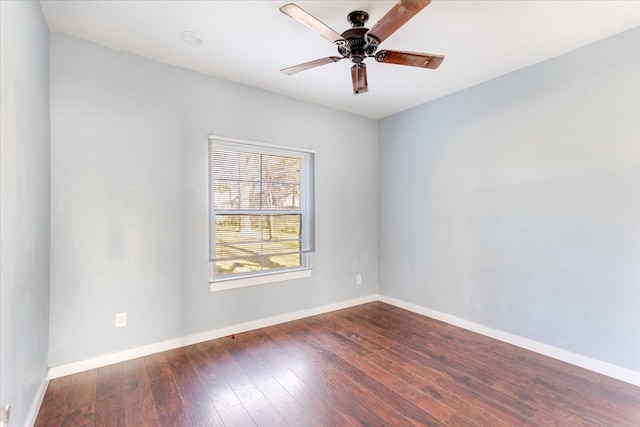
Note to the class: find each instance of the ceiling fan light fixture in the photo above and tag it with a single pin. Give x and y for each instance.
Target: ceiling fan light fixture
(191, 37)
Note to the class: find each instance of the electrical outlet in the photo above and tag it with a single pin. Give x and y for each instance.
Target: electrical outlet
(358, 279)
(4, 415)
(121, 320)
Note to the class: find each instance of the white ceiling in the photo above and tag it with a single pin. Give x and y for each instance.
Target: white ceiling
(250, 41)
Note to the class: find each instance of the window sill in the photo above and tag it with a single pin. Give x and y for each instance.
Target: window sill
(223, 285)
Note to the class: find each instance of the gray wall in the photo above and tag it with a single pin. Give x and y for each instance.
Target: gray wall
(516, 204)
(24, 205)
(129, 200)
(520, 197)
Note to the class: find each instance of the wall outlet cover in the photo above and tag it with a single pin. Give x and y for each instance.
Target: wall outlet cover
(121, 319)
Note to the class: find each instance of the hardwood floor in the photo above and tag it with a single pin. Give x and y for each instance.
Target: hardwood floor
(372, 365)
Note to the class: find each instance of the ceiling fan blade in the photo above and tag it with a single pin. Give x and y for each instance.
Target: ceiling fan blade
(412, 59)
(312, 23)
(395, 18)
(310, 64)
(359, 78)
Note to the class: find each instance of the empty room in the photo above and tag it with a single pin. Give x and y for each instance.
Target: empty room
(377, 213)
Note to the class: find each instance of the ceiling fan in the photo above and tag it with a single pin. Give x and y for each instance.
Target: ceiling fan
(358, 42)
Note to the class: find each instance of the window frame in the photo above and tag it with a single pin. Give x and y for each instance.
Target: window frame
(307, 208)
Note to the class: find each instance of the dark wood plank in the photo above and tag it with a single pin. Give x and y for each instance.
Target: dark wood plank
(169, 407)
(212, 375)
(314, 410)
(276, 350)
(506, 373)
(441, 385)
(237, 416)
(463, 369)
(110, 397)
(410, 345)
(427, 410)
(139, 406)
(328, 365)
(369, 365)
(53, 403)
(199, 407)
(463, 401)
(216, 387)
(392, 390)
(265, 400)
(81, 399)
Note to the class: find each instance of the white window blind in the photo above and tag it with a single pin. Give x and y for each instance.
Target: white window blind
(261, 213)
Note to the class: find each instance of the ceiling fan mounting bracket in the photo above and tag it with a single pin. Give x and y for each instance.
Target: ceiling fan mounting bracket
(358, 18)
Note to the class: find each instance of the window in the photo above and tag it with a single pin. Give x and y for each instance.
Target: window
(261, 210)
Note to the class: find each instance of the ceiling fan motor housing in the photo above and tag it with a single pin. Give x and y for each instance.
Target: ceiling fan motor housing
(357, 48)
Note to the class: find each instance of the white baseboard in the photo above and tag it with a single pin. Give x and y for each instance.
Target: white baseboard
(598, 366)
(613, 371)
(121, 356)
(37, 401)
